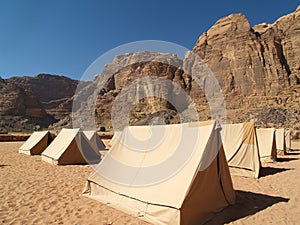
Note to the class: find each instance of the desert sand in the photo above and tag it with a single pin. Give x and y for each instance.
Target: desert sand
(35, 192)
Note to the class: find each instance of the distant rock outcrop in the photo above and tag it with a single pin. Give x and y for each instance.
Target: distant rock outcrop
(29, 103)
(53, 92)
(20, 109)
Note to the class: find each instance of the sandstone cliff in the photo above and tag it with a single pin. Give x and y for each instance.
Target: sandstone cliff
(20, 109)
(29, 103)
(52, 91)
(144, 97)
(257, 69)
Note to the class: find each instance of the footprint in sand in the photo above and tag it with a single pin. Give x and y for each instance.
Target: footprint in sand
(79, 213)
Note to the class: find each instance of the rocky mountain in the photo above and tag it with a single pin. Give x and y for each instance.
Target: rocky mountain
(20, 109)
(52, 91)
(257, 68)
(131, 78)
(29, 103)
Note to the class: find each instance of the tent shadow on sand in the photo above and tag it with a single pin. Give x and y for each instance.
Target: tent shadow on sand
(3, 165)
(286, 159)
(293, 152)
(266, 171)
(247, 204)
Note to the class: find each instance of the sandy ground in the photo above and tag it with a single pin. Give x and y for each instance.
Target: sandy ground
(35, 192)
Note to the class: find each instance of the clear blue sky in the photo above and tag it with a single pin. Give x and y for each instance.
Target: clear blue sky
(65, 36)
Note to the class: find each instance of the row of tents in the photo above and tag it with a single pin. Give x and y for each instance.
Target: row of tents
(244, 146)
(71, 146)
(170, 174)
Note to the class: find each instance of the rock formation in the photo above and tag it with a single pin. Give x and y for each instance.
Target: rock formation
(257, 69)
(52, 91)
(29, 103)
(136, 80)
(20, 109)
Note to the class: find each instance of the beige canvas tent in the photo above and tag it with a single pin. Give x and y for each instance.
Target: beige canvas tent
(165, 174)
(70, 146)
(280, 140)
(94, 139)
(287, 135)
(241, 149)
(266, 143)
(115, 137)
(36, 143)
(95, 142)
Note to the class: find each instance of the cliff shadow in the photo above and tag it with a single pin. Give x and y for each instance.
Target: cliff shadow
(247, 204)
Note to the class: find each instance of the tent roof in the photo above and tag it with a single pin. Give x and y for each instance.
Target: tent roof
(34, 139)
(265, 140)
(241, 150)
(89, 133)
(167, 168)
(116, 136)
(280, 139)
(60, 143)
(94, 139)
